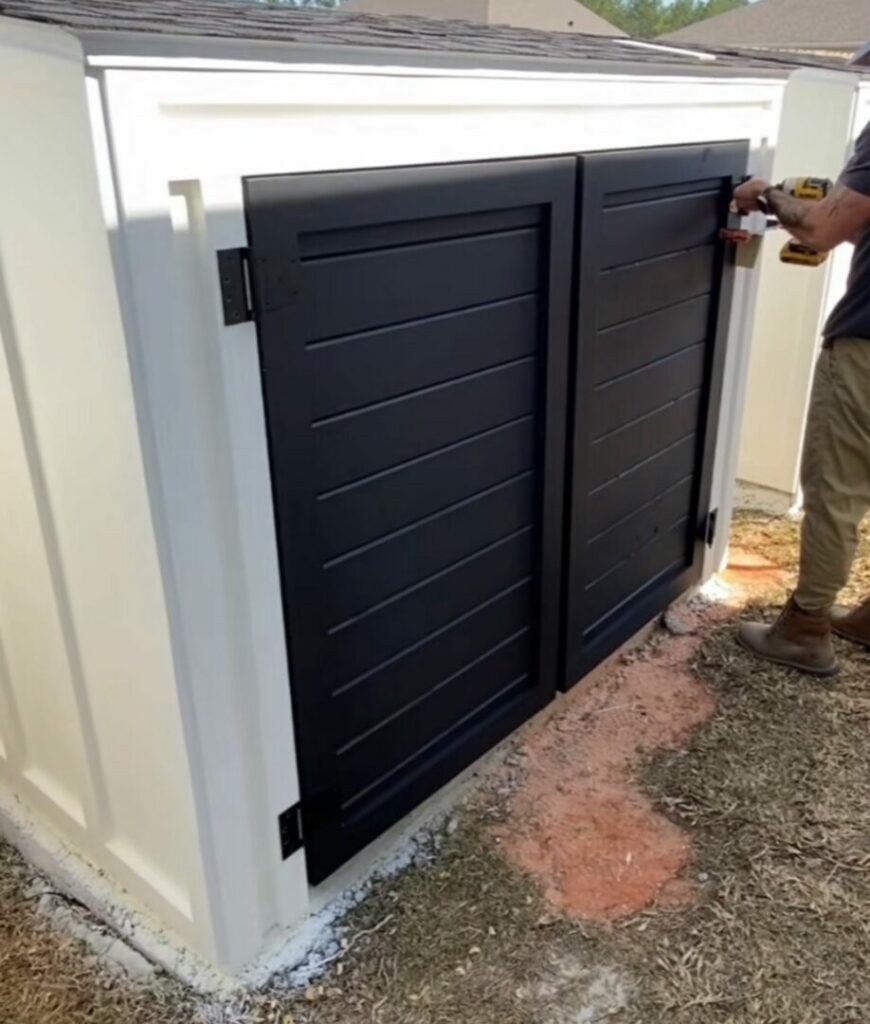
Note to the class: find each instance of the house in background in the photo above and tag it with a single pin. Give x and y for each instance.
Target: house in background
(547, 15)
(835, 29)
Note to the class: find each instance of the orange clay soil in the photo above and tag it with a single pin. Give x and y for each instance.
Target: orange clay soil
(750, 574)
(579, 820)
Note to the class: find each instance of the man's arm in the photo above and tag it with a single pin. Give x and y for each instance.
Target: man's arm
(838, 218)
(821, 226)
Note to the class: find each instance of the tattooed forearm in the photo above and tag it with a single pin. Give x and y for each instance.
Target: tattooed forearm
(819, 225)
(790, 212)
(842, 216)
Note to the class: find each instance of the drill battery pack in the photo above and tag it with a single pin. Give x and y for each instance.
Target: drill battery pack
(814, 190)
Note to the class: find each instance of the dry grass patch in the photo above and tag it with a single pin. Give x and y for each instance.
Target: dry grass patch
(46, 978)
(775, 793)
(464, 938)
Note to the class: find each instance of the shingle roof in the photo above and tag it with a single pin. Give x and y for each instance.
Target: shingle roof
(815, 24)
(336, 30)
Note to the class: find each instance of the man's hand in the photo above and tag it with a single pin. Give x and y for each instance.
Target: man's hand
(746, 196)
(842, 217)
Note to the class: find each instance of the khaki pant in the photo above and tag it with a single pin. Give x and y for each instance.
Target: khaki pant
(835, 474)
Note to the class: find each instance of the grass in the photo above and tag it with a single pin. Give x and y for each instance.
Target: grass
(458, 939)
(775, 792)
(48, 979)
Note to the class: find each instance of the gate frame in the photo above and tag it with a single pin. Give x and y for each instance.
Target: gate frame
(278, 209)
(595, 179)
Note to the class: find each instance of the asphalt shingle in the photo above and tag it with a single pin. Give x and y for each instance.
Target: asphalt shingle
(240, 21)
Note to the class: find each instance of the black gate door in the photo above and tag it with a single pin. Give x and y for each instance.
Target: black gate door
(413, 329)
(652, 306)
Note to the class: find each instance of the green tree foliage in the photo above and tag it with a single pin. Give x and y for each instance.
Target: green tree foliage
(649, 18)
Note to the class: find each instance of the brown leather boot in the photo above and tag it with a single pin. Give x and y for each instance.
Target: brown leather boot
(798, 639)
(853, 624)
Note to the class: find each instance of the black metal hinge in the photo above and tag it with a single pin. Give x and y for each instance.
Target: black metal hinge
(235, 286)
(278, 279)
(710, 526)
(290, 831)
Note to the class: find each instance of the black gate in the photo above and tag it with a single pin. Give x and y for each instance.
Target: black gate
(413, 329)
(653, 296)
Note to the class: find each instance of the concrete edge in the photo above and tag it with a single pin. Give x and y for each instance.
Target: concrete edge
(749, 497)
(76, 877)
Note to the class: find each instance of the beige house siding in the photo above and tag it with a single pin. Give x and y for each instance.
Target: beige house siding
(547, 15)
(550, 15)
(802, 26)
(466, 10)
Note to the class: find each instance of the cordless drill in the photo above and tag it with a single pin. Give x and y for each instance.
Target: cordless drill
(815, 190)
(793, 252)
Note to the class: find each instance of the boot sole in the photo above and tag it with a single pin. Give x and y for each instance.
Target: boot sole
(817, 673)
(843, 635)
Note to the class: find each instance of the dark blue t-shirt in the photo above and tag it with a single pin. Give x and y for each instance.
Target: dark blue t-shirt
(851, 317)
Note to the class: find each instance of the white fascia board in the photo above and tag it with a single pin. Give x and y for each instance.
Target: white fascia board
(138, 50)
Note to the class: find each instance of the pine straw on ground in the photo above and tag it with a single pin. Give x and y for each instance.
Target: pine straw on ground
(46, 978)
(775, 791)
(779, 541)
(776, 794)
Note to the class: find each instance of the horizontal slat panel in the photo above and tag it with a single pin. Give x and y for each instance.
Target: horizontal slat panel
(617, 499)
(648, 195)
(377, 365)
(377, 506)
(669, 551)
(356, 293)
(637, 290)
(643, 526)
(354, 446)
(632, 345)
(409, 322)
(454, 697)
(645, 230)
(382, 569)
(337, 200)
(388, 629)
(626, 448)
(414, 232)
(504, 702)
(650, 334)
(638, 393)
(406, 678)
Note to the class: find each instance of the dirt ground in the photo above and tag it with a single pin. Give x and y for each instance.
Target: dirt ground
(687, 839)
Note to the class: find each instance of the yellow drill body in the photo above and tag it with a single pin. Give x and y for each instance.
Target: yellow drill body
(814, 190)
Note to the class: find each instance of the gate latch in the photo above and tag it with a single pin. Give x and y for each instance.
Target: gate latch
(710, 525)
